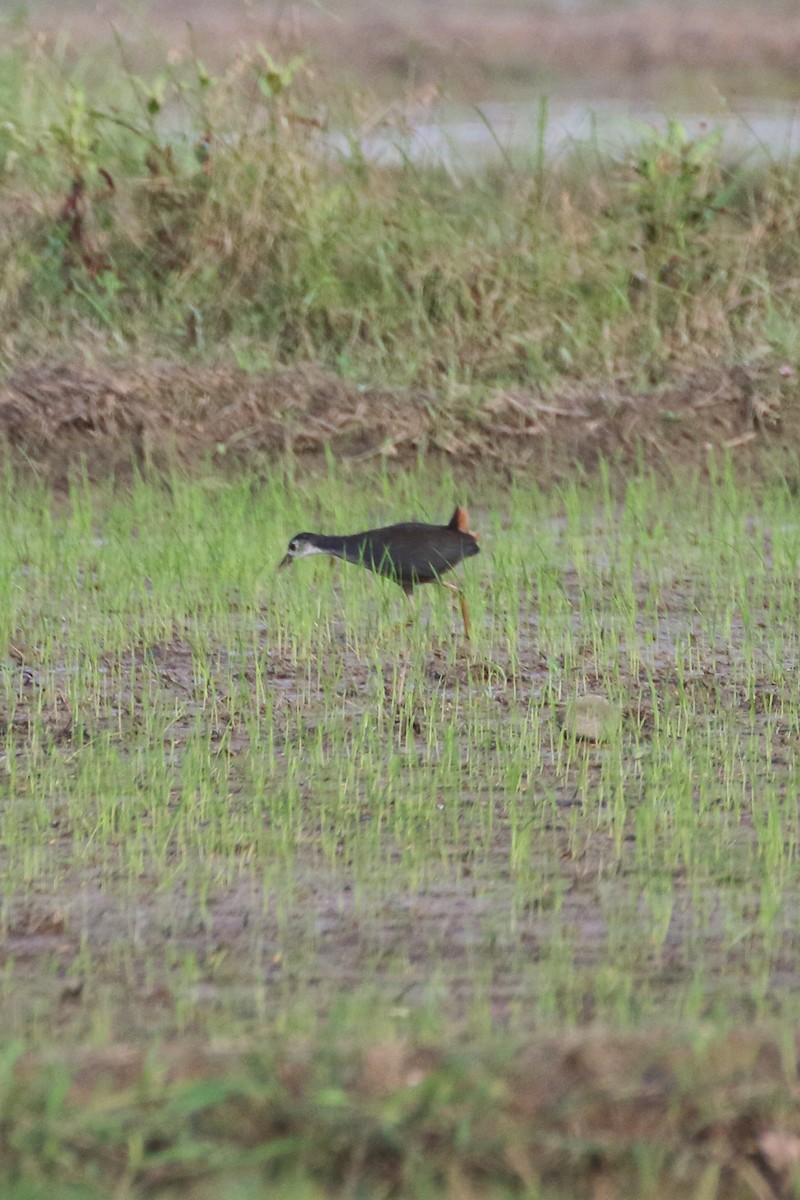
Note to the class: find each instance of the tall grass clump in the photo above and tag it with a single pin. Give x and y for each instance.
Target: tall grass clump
(233, 214)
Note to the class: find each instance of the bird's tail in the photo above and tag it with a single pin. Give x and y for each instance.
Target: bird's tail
(460, 521)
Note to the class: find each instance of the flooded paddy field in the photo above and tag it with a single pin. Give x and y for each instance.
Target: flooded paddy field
(236, 799)
(270, 837)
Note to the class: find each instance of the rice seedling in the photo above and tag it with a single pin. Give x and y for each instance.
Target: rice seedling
(240, 802)
(213, 770)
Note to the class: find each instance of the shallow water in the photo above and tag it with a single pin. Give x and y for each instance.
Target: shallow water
(461, 136)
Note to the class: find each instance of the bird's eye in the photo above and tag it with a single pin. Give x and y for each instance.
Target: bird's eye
(292, 545)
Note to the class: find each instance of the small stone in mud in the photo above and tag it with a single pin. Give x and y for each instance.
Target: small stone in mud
(71, 989)
(591, 718)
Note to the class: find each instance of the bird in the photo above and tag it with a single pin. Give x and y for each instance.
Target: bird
(410, 553)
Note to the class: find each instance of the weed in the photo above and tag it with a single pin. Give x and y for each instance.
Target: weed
(189, 209)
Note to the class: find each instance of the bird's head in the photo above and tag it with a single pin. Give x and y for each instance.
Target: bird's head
(301, 545)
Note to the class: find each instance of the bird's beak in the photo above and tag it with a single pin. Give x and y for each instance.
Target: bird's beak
(287, 558)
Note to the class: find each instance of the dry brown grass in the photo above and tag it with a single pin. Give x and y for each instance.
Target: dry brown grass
(55, 417)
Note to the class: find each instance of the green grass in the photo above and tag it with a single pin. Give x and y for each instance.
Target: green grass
(707, 1114)
(266, 782)
(258, 807)
(214, 216)
(290, 811)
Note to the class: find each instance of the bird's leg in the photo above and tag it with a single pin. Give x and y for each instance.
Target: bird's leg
(414, 616)
(410, 622)
(462, 601)
(409, 593)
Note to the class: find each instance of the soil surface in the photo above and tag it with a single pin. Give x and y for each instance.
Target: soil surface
(94, 955)
(55, 417)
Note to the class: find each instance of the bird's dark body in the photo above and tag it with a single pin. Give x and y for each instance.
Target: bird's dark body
(410, 553)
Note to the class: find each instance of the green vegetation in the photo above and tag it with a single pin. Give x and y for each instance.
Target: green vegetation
(232, 216)
(299, 892)
(703, 1115)
(247, 805)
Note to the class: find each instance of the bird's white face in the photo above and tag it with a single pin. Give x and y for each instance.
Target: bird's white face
(299, 547)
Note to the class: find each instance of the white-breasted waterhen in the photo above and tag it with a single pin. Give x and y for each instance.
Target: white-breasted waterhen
(410, 553)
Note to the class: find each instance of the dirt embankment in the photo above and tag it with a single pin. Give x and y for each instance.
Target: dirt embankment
(55, 418)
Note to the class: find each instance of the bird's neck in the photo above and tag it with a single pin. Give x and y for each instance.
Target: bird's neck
(342, 545)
